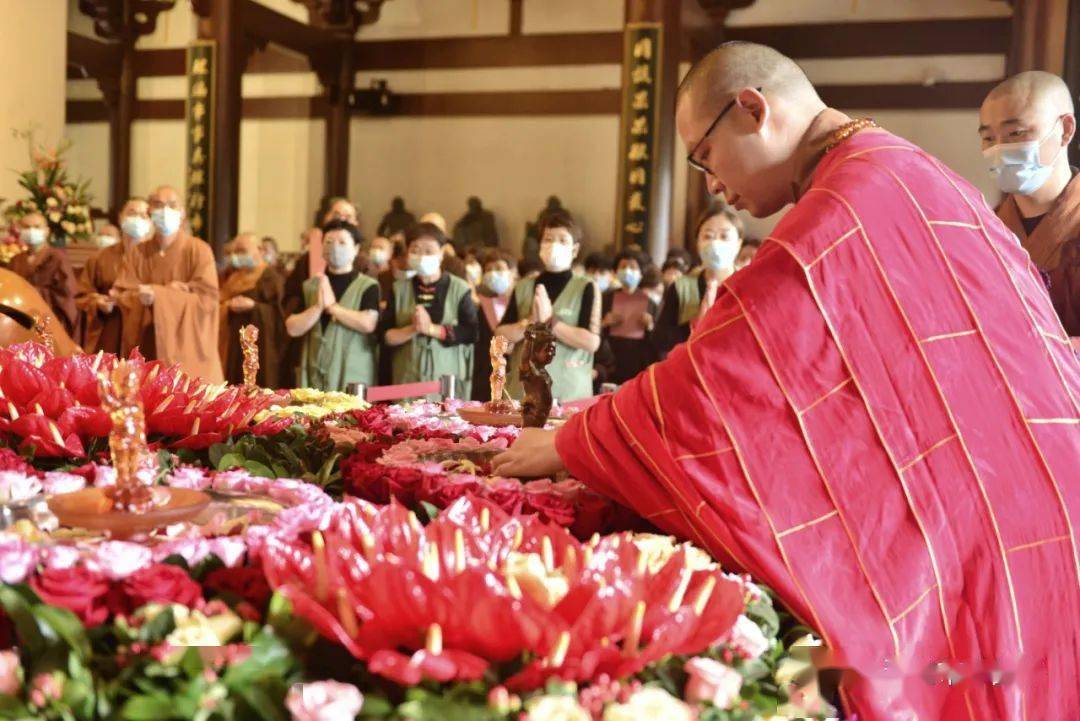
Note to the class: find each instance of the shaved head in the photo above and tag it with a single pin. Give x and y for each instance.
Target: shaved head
(1032, 107)
(736, 65)
(1035, 87)
(742, 112)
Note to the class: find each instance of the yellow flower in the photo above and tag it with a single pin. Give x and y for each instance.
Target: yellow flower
(650, 703)
(195, 629)
(558, 708)
(658, 550)
(545, 587)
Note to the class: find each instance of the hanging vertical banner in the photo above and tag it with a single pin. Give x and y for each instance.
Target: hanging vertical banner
(200, 134)
(639, 126)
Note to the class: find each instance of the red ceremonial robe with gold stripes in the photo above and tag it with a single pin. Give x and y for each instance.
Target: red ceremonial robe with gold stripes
(879, 419)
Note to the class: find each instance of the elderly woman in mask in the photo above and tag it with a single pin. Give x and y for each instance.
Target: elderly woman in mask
(341, 315)
(719, 239)
(48, 270)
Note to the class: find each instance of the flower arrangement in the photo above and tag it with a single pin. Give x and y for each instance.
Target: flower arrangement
(313, 404)
(65, 202)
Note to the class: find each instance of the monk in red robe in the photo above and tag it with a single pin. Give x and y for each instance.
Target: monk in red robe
(872, 419)
(167, 291)
(1026, 124)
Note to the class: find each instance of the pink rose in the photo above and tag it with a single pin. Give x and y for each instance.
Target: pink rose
(120, 559)
(9, 673)
(15, 486)
(57, 482)
(324, 701)
(104, 476)
(188, 477)
(61, 557)
(192, 550)
(17, 559)
(46, 687)
(230, 549)
(712, 681)
(747, 640)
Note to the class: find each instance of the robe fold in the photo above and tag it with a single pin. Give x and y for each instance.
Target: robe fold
(181, 326)
(100, 330)
(1054, 247)
(51, 274)
(264, 285)
(880, 419)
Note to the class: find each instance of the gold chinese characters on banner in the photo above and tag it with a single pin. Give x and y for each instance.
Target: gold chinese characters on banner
(640, 119)
(199, 121)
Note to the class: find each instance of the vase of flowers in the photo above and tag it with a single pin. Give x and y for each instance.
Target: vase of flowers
(63, 200)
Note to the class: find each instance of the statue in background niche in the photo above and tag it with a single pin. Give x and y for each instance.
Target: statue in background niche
(397, 220)
(475, 229)
(537, 354)
(531, 246)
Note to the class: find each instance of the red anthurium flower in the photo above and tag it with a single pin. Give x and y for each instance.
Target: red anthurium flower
(46, 437)
(478, 587)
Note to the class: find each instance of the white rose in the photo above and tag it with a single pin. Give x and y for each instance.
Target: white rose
(54, 217)
(68, 226)
(747, 638)
(51, 202)
(712, 681)
(324, 701)
(650, 703)
(557, 708)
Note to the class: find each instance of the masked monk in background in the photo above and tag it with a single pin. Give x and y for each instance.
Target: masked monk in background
(48, 270)
(102, 323)
(251, 294)
(1027, 123)
(168, 293)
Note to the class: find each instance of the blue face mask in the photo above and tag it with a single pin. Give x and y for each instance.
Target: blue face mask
(239, 261)
(497, 281)
(1016, 166)
(603, 282)
(167, 220)
(630, 278)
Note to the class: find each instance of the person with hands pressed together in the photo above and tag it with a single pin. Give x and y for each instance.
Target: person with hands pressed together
(570, 303)
(341, 317)
(430, 323)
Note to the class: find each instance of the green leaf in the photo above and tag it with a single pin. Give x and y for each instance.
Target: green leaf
(262, 703)
(160, 626)
(18, 609)
(256, 468)
(376, 707)
(66, 626)
(216, 452)
(147, 708)
(230, 460)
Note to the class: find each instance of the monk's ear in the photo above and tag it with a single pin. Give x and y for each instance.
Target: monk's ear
(1068, 125)
(754, 104)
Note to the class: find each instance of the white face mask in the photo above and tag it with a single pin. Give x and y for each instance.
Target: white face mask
(135, 227)
(497, 281)
(34, 237)
(474, 272)
(1016, 166)
(167, 220)
(404, 274)
(379, 256)
(425, 265)
(719, 254)
(557, 257)
(340, 256)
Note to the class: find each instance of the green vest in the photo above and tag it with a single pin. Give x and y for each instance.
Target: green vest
(332, 358)
(686, 289)
(571, 371)
(424, 358)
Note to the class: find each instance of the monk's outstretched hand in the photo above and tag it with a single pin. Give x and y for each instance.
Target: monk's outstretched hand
(533, 455)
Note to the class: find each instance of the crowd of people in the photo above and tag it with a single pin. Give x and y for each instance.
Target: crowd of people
(393, 310)
(413, 306)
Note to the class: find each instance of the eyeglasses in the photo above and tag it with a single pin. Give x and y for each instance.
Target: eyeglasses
(696, 164)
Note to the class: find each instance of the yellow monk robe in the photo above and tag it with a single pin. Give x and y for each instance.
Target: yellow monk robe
(181, 326)
(101, 329)
(263, 285)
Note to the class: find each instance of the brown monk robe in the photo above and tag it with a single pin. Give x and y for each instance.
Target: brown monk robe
(251, 293)
(20, 304)
(1042, 201)
(102, 328)
(48, 270)
(1054, 246)
(168, 293)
